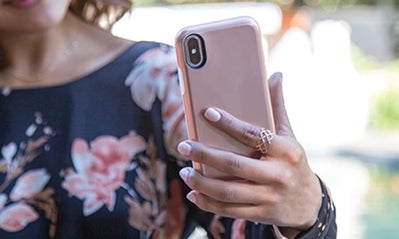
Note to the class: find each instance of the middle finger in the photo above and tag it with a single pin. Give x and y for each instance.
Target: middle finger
(261, 171)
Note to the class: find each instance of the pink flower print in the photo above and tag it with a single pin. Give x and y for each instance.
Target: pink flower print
(100, 169)
(154, 77)
(150, 77)
(6, 91)
(8, 153)
(3, 200)
(29, 184)
(17, 216)
(238, 229)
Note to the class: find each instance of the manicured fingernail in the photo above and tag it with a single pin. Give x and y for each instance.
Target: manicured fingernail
(212, 115)
(184, 149)
(191, 197)
(277, 75)
(184, 173)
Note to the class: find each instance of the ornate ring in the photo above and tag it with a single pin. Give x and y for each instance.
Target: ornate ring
(265, 140)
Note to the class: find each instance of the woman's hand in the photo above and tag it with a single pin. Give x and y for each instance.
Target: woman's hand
(278, 188)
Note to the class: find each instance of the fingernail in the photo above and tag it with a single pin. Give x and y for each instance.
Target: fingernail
(191, 197)
(184, 173)
(277, 75)
(184, 149)
(212, 115)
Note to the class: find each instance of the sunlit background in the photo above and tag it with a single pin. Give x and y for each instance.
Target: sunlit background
(340, 64)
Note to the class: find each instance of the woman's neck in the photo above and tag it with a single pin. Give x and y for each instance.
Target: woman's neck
(34, 52)
(58, 55)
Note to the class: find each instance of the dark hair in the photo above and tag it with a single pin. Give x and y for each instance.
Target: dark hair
(103, 13)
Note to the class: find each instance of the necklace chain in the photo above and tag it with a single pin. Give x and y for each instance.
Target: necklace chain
(50, 68)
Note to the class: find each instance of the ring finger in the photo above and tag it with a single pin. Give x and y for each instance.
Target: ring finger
(231, 191)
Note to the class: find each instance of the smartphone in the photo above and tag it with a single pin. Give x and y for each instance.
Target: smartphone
(222, 64)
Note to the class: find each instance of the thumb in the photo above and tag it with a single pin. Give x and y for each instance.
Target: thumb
(281, 121)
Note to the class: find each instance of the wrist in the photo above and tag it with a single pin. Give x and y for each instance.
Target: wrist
(318, 225)
(314, 209)
(325, 222)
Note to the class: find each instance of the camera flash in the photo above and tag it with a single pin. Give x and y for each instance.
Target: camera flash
(193, 51)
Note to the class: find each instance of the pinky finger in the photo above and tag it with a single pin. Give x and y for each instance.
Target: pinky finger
(232, 210)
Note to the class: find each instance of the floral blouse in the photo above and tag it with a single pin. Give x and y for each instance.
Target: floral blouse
(96, 157)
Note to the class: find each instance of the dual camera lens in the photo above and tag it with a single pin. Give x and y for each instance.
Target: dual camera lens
(194, 51)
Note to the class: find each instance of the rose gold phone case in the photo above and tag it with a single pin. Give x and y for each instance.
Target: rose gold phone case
(233, 78)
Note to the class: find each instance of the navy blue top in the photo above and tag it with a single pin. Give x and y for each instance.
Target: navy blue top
(93, 158)
(96, 157)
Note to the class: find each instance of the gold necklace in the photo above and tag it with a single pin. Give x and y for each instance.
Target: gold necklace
(48, 69)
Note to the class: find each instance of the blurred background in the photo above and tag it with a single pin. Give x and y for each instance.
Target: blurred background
(340, 61)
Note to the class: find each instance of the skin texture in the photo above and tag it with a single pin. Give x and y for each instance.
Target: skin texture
(44, 47)
(278, 188)
(41, 15)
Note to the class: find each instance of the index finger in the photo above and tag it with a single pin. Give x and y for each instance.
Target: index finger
(240, 130)
(282, 123)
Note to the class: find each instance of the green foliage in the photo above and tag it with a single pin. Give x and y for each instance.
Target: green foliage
(364, 62)
(361, 61)
(385, 111)
(146, 2)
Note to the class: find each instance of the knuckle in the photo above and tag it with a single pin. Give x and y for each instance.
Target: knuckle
(267, 212)
(284, 177)
(227, 194)
(294, 155)
(262, 214)
(222, 210)
(265, 197)
(229, 122)
(250, 133)
(271, 198)
(289, 178)
(234, 163)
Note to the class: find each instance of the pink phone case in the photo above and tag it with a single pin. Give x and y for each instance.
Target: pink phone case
(232, 77)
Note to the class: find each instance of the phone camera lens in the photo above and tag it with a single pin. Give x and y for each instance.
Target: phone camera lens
(194, 51)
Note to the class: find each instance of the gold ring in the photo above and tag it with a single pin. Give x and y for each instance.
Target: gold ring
(265, 140)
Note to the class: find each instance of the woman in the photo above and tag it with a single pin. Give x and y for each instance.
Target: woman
(89, 127)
